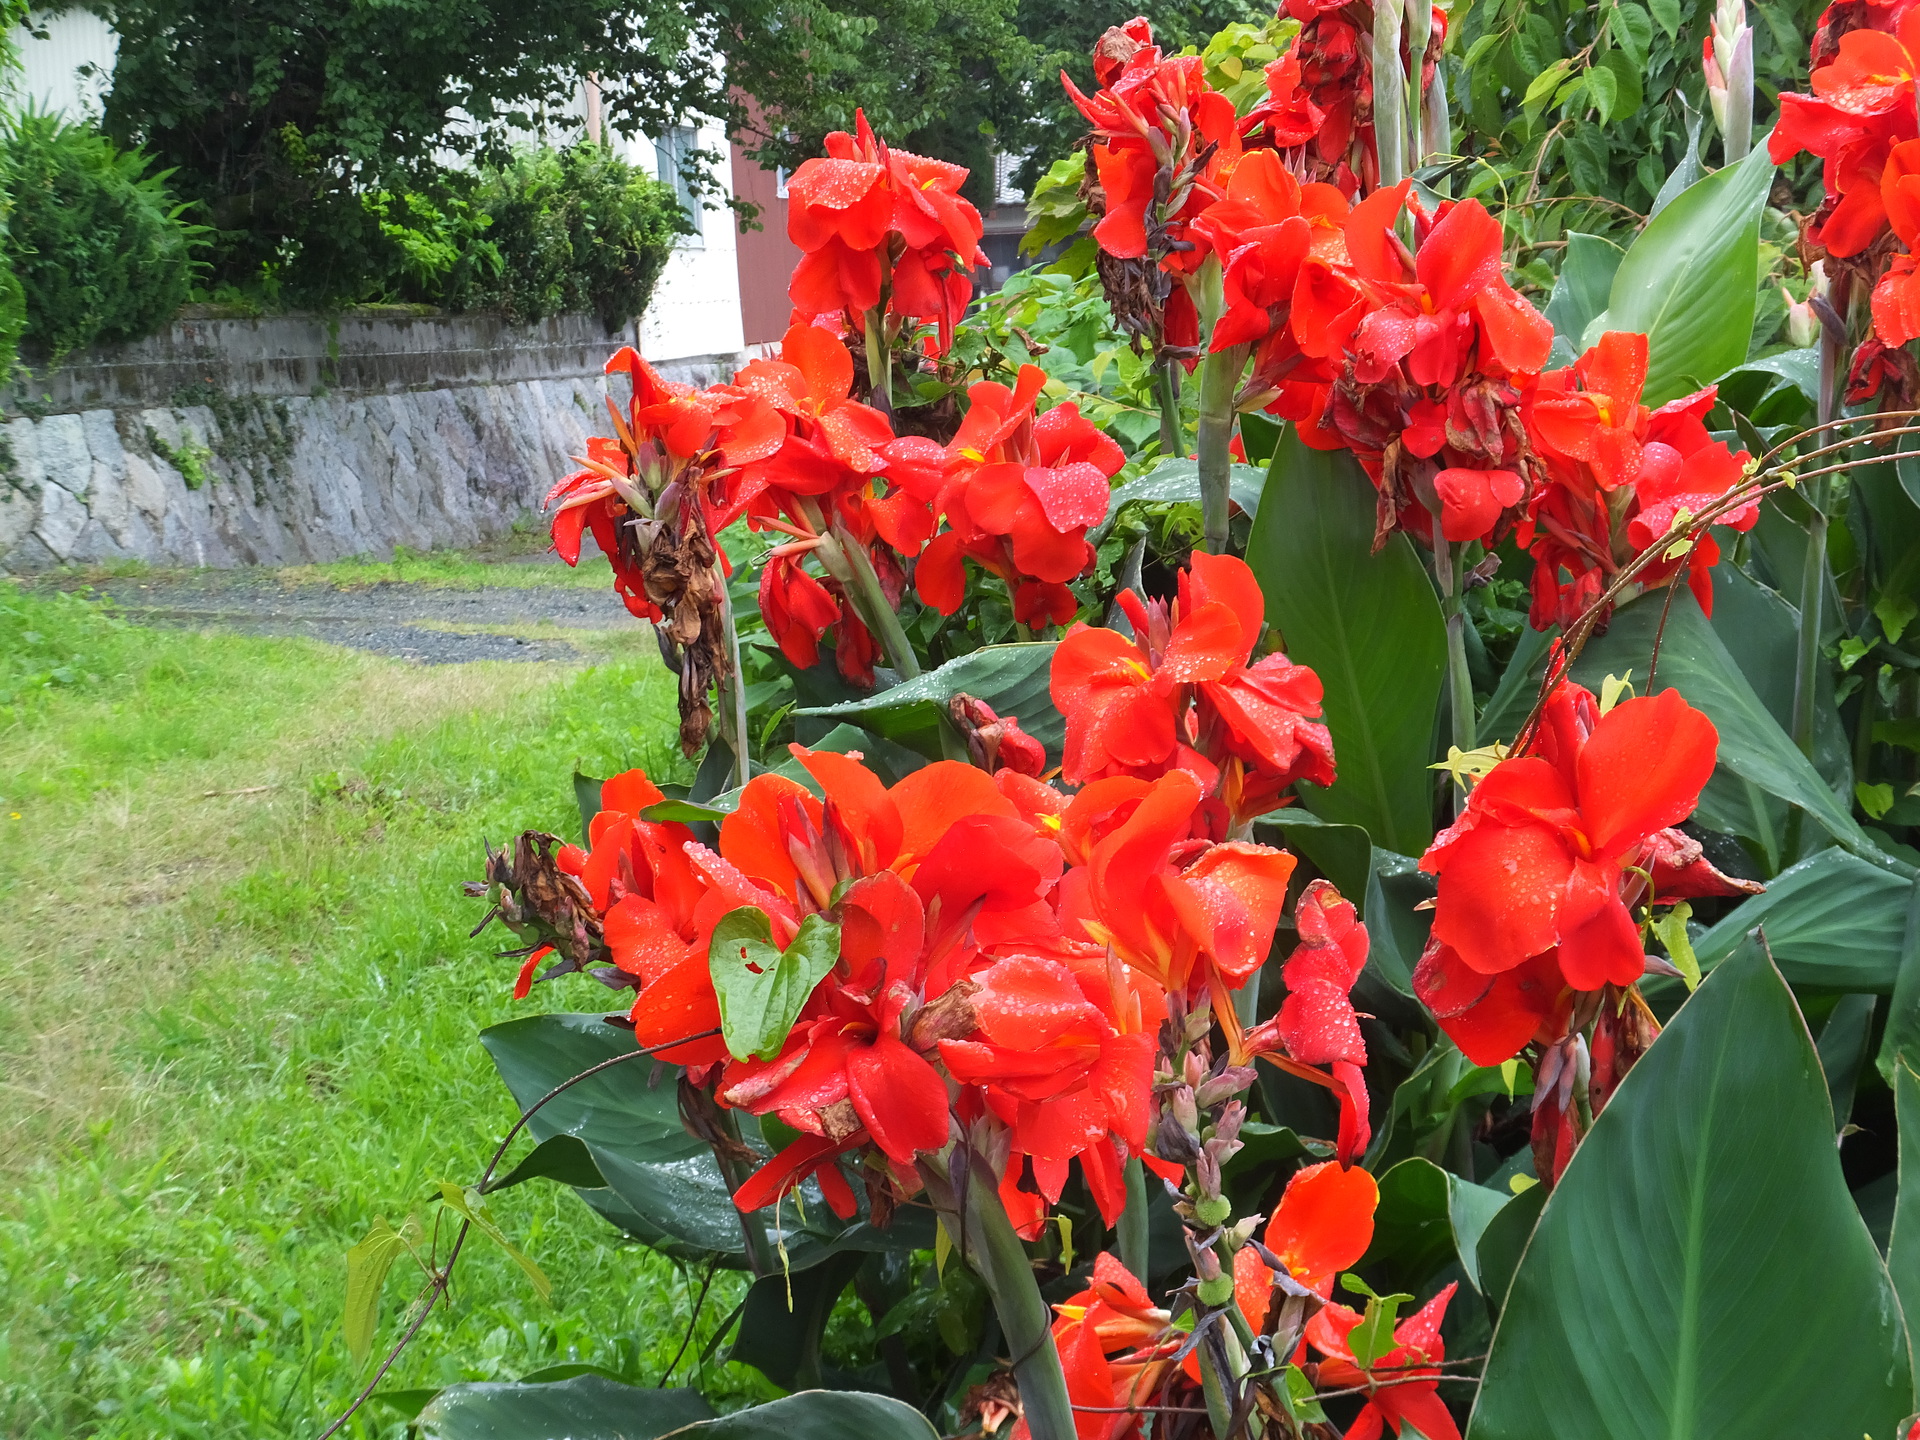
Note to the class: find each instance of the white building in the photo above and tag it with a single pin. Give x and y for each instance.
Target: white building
(692, 329)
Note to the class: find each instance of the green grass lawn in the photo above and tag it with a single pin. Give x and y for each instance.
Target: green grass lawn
(238, 1009)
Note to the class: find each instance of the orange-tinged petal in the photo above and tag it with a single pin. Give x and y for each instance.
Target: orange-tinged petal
(1643, 768)
(1324, 1223)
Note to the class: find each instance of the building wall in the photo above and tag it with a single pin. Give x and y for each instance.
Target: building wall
(50, 75)
(766, 255)
(695, 311)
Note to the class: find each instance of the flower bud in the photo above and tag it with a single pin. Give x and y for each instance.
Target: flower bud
(1217, 1291)
(1213, 1210)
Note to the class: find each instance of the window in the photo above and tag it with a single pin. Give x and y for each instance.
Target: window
(671, 154)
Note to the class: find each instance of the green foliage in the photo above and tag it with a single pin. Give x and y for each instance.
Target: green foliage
(1721, 1226)
(280, 118)
(1368, 624)
(189, 1169)
(97, 242)
(761, 987)
(564, 231)
(585, 1407)
(1687, 281)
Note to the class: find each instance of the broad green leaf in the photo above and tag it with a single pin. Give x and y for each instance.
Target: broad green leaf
(1694, 662)
(1427, 1218)
(1688, 281)
(1603, 90)
(785, 1319)
(817, 1415)
(1903, 1246)
(1504, 1241)
(586, 795)
(1833, 922)
(559, 1157)
(1396, 924)
(368, 1265)
(1342, 853)
(1843, 1052)
(663, 1186)
(1688, 172)
(1013, 679)
(1176, 480)
(587, 1407)
(471, 1206)
(1700, 1236)
(1370, 627)
(1632, 30)
(1629, 95)
(1902, 1035)
(1760, 629)
(762, 987)
(1580, 292)
(1667, 12)
(1519, 686)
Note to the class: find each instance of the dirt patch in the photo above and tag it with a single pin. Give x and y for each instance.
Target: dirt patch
(431, 624)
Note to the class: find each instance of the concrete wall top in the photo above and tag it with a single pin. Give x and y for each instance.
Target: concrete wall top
(288, 355)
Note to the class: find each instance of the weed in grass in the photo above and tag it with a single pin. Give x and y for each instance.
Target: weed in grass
(237, 1018)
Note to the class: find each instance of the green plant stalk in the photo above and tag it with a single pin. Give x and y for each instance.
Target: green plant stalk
(847, 561)
(1167, 388)
(1419, 21)
(1389, 90)
(735, 701)
(1132, 1229)
(982, 1232)
(1449, 563)
(879, 362)
(1219, 1410)
(1813, 573)
(1219, 383)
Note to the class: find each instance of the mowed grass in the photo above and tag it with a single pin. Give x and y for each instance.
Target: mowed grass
(518, 560)
(238, 1009)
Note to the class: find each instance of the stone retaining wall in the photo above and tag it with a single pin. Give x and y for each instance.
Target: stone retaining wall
(293, 440)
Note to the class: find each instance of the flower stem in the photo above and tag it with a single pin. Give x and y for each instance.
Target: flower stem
(848, 562)
(736, 680)
(1813, 576)
(1389, 90)
(1133, 1221)
(1219, 380)
(1172, 440)
(879, 362)
(977, 1223)
(1449, 563)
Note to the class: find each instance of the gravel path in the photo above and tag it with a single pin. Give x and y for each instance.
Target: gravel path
(433, 624)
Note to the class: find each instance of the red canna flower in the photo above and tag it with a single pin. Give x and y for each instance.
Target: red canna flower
(1316, 1024)
(1155, 122)
(1055, 1067)
(1896, 299)
(1620, 478)
(848, 210)
(1127, 702)
(1538, 859)
(1115, 1346)
(1018, 492)
(1193, 917)
(1322, 1226)
(1403, 1384)
(1431, 348)
(1861, 108)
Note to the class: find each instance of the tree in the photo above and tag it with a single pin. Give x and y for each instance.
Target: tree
(276, 114)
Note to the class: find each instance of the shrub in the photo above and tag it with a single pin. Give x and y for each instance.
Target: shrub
(96, 241)
(571, 230)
